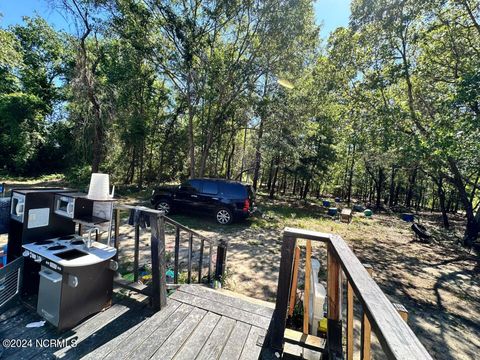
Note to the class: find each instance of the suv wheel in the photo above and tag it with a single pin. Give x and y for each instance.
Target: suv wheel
(163, 205)
(224, 216)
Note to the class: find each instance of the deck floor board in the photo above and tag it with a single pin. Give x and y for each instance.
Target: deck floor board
(234, 346)
(197, 323)
(199, 337)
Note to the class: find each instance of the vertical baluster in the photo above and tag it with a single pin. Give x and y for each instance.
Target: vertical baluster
(349, 321)
(210, 262)
(117, 231)
(306, 294)
(190, 250)
(136, 253)
(402, 310)
(334, 310)
(177, 251)
(200, 262)
(293, 290)
(366, 335)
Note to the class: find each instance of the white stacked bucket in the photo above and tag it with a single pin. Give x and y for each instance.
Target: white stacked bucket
(99, 188)
(99, 192)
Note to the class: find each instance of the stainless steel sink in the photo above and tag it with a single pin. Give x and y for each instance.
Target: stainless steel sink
(71, 254)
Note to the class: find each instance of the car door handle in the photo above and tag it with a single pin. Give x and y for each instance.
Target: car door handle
(194, 196)
(215, 198)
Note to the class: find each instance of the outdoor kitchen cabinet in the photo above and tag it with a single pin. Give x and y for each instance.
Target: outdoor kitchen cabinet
(70, 294)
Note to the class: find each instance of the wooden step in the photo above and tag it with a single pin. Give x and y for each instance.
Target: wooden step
(307, 341)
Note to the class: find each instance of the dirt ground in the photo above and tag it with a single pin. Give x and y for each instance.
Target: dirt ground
(438, 283)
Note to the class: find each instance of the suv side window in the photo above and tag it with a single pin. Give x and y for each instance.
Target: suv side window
(236, 191)
(210, 187)
(191, 186)
(196, 185)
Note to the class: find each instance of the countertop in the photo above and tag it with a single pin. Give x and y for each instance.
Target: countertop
(97, 253)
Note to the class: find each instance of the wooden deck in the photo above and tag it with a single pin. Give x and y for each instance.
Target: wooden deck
(197, 323)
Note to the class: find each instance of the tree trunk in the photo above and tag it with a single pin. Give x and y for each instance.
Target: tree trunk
(191, 115)
(295, 180)
(270, 174)
(473, 221)
(306, 189)
(441, 198)
(229, 162)
(397, 194)
(258, 147)
(379, 187)
(272, 188)
(391, 197)
(140, 175)
(350, 177)
(284, 181)
(244, 153)
(411, 185)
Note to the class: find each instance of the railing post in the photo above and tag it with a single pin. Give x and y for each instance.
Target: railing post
(276, 329)
(221, 259)
(334, 310)
(159, 281)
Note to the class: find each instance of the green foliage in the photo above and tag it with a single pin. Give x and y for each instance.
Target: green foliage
(79, 176)
(387, 112)
(32, 60)
(20, 131)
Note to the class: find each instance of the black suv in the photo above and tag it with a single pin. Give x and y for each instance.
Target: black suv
(226, 200)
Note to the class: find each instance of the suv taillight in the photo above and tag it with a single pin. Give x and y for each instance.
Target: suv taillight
(246, 205)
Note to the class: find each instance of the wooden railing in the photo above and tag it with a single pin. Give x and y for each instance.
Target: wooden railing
(158, 223)
(378, 314)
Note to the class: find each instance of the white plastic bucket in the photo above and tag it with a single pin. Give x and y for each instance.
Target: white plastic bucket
(99, 188)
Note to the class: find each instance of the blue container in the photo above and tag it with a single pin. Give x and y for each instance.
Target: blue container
(408, 217)
(358, 208)
(337, 199)
(332, 211)
(326, 203)
(3, 256)
(4, 215)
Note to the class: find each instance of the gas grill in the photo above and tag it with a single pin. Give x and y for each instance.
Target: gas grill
(75, 280)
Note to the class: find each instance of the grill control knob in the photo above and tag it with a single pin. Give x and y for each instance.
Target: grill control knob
(26, 253)
(72, 281)
(113, 265)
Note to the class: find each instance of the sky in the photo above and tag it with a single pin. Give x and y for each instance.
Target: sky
(329, 13)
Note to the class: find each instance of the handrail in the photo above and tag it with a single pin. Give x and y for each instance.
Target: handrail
(395, 336)
(158, 221)
(148, 210)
